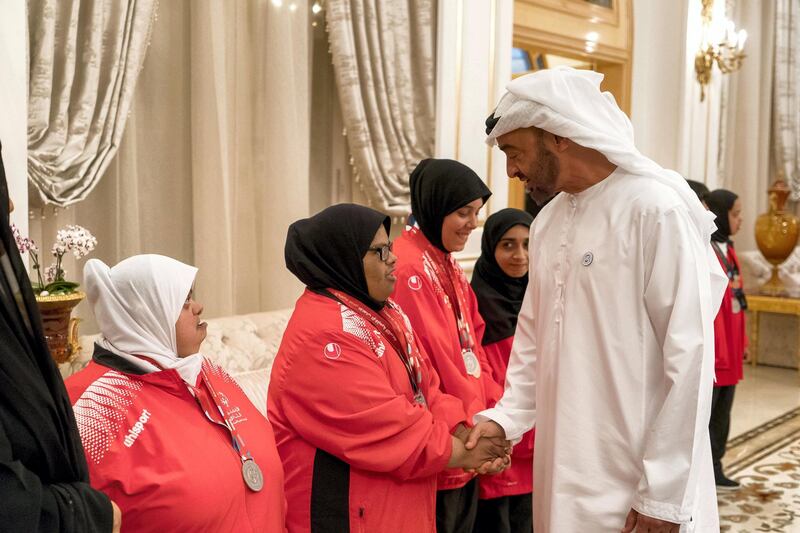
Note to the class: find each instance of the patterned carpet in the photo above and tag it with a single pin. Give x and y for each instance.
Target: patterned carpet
(766, 461)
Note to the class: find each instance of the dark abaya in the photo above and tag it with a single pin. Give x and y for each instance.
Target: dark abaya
(44, 480)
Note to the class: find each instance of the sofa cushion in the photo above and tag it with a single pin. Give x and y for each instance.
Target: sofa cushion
(254, 384)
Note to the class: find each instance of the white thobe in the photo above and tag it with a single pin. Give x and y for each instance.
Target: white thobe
(613, 359)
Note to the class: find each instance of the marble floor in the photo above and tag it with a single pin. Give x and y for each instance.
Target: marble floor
(764, 454)
(764, 393)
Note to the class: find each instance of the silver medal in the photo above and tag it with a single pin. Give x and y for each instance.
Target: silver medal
(252, 475)
(471, 363)
(420, 399)
(736, 306)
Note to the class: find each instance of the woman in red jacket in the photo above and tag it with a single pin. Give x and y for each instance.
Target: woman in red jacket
(499, 282)
(729, 327)
(446, 197)
(361, 425)
(169, 436)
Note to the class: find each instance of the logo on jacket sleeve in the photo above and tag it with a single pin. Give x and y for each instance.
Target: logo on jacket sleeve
(332, 350)
(414, 283)
(137, 428)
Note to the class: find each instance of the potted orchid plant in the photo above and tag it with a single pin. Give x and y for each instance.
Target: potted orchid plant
(55, 295)
(75, 239)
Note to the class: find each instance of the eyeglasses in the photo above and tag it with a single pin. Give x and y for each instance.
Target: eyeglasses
(382, 251)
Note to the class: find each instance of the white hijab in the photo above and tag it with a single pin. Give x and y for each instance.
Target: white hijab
(137, 303)
(568, 103)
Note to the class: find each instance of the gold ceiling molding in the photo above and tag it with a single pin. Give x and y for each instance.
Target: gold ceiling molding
(582, 9)
(553, 42)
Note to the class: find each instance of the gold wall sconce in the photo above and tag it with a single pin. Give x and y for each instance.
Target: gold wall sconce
(721, 45)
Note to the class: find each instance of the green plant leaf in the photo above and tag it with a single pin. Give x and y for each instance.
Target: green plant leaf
(61, 287)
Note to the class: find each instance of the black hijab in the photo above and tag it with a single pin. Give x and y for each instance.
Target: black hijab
(720, 202)
(326, 250)
(44, 480)
(439, 187)
(699, 189)
(499, 295)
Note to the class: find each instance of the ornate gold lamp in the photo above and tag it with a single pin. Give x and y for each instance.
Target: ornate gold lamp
(721, 45)
(776, 235)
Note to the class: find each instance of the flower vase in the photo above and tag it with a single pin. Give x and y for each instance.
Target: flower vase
(776, 235)
(60, 329)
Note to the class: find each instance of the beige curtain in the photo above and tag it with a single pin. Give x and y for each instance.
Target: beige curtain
(384, 59)
(85, 58)
(250, 121)
(213, 166)
(786, 103)
(747, 135)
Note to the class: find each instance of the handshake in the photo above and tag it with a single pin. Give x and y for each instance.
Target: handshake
(482, 449)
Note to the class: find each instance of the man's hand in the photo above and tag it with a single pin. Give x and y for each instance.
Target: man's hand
(493, 467)
(489, 456)
(461, 432)
(117, 520)
(487, 428)
(647, 524)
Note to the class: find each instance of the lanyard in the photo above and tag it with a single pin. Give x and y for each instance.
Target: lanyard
(730, 269)
(236, 438)
(251, 472)
(444, 274)
(394, 332)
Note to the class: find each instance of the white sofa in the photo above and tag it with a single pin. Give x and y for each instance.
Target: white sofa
(244, 345)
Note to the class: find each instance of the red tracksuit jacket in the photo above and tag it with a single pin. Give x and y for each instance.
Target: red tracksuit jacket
(730, 338)
(422, 297)
(359, 453)
(151, 449)
(518, 478)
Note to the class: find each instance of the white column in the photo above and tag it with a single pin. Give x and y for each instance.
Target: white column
(659, 78)
(14, 105)
(473, 67)
(673, 127)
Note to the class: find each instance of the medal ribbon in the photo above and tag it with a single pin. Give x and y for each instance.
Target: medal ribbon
(445, 273)
(395, 332)
(732, 270)
(236, 438)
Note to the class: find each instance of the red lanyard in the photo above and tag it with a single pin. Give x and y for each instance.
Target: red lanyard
(394, 331)
(236, 438)
(251, 472)
(445, 274)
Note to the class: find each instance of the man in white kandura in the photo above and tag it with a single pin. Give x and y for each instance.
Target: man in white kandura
(613, 356)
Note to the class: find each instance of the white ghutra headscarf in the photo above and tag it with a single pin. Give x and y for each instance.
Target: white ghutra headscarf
(568, 103)
(137, 303)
